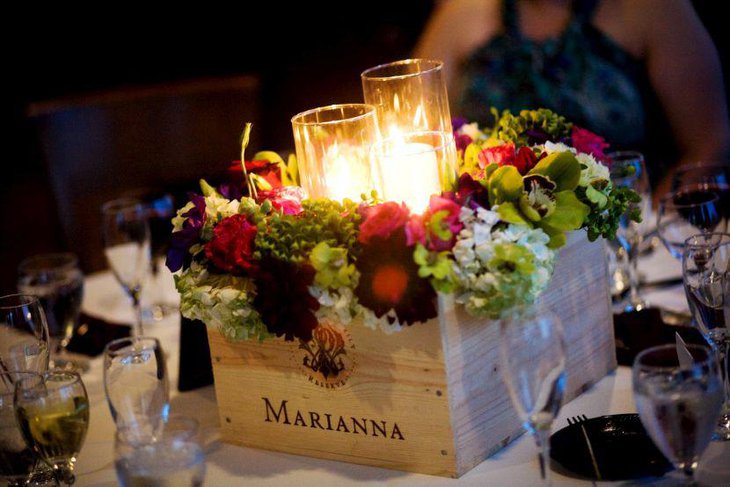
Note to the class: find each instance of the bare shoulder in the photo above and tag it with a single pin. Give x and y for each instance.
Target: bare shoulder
(457, 27)
(660, 24)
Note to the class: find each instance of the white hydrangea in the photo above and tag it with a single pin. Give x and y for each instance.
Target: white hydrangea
(220, 300)
(335, 305)
(551, 147)
(472, 130)
(593, 171)
(487, 290)
(388, 323)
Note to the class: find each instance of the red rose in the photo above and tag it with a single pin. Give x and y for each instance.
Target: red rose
(525, 160)
(231, 248)
(589, 143)
(504, 155)
(382, 220)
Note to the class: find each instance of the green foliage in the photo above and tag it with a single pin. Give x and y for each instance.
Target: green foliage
(513, 128)
(604, 221)
(293, 237)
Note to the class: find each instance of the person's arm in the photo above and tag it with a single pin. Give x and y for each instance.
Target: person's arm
(455, 29)
(685, 72)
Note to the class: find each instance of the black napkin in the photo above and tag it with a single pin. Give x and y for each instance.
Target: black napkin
(94, 333)
(195, 369)
(640, 330)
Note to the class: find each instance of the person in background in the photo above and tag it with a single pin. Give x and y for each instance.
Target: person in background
(643, 74)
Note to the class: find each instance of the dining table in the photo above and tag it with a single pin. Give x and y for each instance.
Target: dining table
(229, 465)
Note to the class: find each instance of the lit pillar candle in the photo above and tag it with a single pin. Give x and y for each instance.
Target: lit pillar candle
(346, 173)
(410, 173)
(333, 150)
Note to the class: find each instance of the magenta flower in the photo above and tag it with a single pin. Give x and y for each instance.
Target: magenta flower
(438, 227)
(589, 143)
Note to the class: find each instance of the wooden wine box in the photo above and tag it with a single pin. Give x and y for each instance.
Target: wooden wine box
(428, 399)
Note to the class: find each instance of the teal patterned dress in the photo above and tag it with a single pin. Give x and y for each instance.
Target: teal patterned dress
(582, 75)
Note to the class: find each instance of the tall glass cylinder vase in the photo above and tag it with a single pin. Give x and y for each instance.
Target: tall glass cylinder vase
(413, 115)
(333, 146)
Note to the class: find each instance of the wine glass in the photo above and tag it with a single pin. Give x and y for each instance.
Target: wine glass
(532, 353)
(58, 283)
(127, 247)
(678, 406)
(136, 386)
(174, 458)
(690, 210)
(706, 276)
(52, 410)
(629, 170)
(23, 334)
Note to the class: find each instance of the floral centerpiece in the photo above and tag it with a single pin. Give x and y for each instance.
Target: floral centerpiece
(259, 259)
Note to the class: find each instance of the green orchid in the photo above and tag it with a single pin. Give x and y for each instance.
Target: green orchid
(331, 265)
(544, 198)
(438, 266)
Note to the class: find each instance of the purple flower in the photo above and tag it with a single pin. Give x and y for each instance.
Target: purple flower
(458, 122)
(181, 241)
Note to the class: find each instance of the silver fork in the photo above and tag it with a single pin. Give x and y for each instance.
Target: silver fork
(578, 420)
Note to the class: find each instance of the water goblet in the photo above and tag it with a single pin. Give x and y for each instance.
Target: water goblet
(17, 460)
(52, 410)
(127, 247)
(706, 277)
(532, 354)
(58, 283)
(136, 386)
(678, 405)
(690, 210)
(175, 457)
(629, 170)
(23, 334)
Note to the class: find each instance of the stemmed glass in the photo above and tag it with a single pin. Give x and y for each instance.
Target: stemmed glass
(136, 385)
(678, 404)
(52, 409)
(23, 334)
(58, 283)
(706, 276)
(127, 247)
(532, 353)
(690, 210)
(629, 170)
(17, 460)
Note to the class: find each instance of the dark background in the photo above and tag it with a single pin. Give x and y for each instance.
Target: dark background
(306, 56)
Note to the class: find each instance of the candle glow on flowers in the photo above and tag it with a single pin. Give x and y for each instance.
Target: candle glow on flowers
(279, 264)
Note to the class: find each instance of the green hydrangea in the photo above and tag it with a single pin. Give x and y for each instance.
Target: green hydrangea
(292, 237)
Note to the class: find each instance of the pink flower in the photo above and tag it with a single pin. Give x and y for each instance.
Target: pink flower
(587, 142)
(288, 199)
(438, 227)
(504, 155)
(382, 220)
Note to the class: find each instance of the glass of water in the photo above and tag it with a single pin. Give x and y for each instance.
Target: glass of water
(678, 405)
(706, 277)
(58, 283)
(23, 334)
(136, 385)
(174, 457)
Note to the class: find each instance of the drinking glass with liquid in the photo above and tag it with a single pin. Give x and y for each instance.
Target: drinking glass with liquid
(174, 458)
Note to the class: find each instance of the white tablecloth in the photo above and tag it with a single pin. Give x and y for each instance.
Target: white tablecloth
(231, 465)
